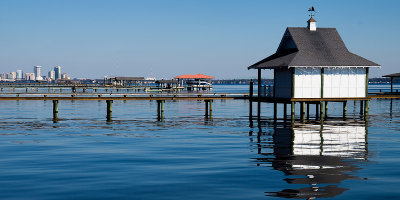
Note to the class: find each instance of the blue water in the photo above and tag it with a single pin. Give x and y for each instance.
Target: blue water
(188, 156)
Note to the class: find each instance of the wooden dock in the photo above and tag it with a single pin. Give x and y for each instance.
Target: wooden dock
(321, 104)
(207, 99)
(122, 96)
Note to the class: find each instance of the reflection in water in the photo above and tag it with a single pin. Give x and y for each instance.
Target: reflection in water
(317, 157)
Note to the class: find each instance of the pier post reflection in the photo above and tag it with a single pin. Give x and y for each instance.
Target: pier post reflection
(314, 158)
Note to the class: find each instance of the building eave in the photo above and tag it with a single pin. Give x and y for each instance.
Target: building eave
(339, 66)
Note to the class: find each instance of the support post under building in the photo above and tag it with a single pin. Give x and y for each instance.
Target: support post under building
(321, 110)
(251, 101)
(292, 110)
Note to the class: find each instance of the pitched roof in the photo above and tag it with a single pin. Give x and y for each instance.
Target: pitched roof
(128, 78)
(312, 20)
(196, 76)
(392, 75)
(301, 47)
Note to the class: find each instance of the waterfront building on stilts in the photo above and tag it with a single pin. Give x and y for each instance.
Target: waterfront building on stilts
(313, 66)
(195, 82)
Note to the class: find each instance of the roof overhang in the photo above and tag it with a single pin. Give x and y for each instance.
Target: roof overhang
(195, 76)
(167, 81)
(280, 67)
(334, 66)
(128, 78)
(392, 75)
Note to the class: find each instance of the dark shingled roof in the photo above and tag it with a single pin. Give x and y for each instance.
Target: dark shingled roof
(392, 75)
(301, 47)
(128, 78)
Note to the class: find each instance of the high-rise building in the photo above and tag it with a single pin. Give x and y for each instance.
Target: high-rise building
(37, 70)
(19, 75)
(11, 76)
(52, 75)
(57, 71)
(65, 76)
(3, 76)
(30, 76)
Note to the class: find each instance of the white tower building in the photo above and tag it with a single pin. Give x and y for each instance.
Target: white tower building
(37, 70)
(52, 75)
(19, 74)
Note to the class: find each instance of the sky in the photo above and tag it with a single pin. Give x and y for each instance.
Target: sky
(167, 38)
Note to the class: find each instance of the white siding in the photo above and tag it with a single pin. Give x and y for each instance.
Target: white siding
(307, 83)
(283, 83)
(344, 82)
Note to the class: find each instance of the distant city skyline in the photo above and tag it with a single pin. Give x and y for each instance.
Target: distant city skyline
(37, 75)
(163, 39)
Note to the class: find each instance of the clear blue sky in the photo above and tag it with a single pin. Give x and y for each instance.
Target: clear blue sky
(165, 38)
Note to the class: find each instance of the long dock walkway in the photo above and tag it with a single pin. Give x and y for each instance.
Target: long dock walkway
(109, 98)
(122, 96)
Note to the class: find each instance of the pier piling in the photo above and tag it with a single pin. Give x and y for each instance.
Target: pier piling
(302, 111)
(361, 107)
(321, 110)
(208, 108)
(211, 107)
(109, 109)
(160, 109)
(251, 100)
(284, 111)
(55, 110)
(366, 108)
(326, 110)
(292, 113)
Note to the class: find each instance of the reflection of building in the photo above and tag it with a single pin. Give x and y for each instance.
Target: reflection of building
(318, 157)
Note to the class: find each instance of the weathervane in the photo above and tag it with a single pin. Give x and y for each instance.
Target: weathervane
(312, 11)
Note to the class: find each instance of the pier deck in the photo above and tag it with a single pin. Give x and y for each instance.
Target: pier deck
(122, 96)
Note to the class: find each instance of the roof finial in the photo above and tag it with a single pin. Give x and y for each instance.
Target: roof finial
(312, 11)
(312, 23)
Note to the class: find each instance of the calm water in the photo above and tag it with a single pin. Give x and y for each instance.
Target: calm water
(188, 156)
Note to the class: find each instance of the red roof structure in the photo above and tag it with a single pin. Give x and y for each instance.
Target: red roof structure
(196, 76)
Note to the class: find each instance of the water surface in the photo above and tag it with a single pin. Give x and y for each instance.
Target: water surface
(188, 156)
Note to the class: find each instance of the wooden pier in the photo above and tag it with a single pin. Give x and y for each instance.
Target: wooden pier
(160, 99)
(321, 104)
